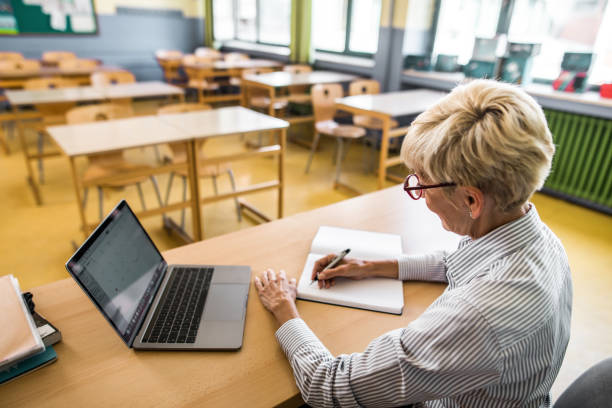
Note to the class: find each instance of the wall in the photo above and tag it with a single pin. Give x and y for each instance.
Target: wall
(129, 33)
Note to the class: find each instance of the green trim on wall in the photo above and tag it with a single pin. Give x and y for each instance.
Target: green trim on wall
(301, 18)
(208, 23)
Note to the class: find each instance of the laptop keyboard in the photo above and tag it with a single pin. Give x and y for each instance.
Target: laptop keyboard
(178, 314)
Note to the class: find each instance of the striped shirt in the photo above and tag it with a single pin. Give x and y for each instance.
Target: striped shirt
(496, 337)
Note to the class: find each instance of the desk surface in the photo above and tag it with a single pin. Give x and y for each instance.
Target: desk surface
(281, 79)
(91, 93)
(112, 135)
(393, 103)
(223, 121)
(93, 362)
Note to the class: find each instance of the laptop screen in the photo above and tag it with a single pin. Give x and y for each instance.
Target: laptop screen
(120, 269)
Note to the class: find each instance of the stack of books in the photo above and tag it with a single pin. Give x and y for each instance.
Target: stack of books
(26, 338)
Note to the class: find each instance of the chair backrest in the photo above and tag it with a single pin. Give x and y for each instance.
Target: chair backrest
(364, 87)
(111, 77)
(168, 54)
(19, 65)
(235, 56)
(191, 59)
(255, 71)
(593, 389)
(297, 69)
(75, 63)
(10, 56)
(49, 83)
(207, 52)
(171, 69)
(323, 98)
(99, 112)
(56, 56)
(182, 108)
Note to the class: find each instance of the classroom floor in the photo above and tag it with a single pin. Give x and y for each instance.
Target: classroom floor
(36, 241)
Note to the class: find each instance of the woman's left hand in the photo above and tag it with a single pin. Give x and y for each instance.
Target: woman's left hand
(277, 294)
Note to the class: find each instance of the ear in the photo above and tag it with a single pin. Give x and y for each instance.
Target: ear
(473, 199)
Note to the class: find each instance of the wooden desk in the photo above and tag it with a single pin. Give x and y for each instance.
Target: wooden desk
(113, 135)
(94, 366)
(276, 80)
(230, 121)
(384, 107)
(21, 98)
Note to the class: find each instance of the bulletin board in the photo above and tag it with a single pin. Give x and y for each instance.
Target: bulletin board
(18, 17)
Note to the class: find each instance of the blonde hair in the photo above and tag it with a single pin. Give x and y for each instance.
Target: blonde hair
(484, 134)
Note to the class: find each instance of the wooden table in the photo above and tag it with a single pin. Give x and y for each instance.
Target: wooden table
(95, 368)
(21, 98)
(274, 81)
(114, 135)
(384, 107)
(17, 78)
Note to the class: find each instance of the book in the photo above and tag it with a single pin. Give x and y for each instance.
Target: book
(378, 294)
(19, 338)
(49, 333)
(27, 365)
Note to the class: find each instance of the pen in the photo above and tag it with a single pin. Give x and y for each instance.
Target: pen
(333, 263)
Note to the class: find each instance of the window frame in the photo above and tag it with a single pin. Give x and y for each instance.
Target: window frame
(347, 37)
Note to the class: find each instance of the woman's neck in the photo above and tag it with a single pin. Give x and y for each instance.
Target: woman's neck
(491, 219)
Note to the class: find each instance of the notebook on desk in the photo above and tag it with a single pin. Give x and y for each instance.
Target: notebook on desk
(378, 294)
(153, 305)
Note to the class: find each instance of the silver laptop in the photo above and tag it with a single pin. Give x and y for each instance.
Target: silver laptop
(153, 305)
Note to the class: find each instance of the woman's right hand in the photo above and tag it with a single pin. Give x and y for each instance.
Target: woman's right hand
(347, 268)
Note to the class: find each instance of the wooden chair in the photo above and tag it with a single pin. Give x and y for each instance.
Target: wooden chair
(10, 56)
(112, 163)
(298, 93)
(179, 155)
(19, 65)
(207, 52)
(111, 78)
(51, 113)
(324, 106)
(200, 75)
(53, 57)
(259, 98)
(367, 87)
(170, 62)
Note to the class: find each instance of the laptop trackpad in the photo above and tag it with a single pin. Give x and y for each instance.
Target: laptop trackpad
(226, 301)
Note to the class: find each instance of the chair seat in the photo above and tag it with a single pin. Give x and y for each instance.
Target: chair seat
(263, 102)
(202, 84)
(371, 123)
(300, 98)
(331, 128)
(235, 81)
(97, 170)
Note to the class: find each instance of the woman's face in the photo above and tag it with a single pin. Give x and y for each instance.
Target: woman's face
(454, 218)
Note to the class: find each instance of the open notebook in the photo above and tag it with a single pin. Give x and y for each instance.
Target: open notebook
(379, 294)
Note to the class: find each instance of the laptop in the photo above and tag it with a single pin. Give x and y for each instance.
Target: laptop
(153, 305)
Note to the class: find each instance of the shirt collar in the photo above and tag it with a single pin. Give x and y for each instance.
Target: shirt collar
(473, 256)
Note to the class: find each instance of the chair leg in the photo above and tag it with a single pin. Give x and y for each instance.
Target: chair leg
(184, 199)
(84, 202)
(339, 155)
(169, 188)
(100, 203)
(313, 149)
(142, 200)
(157, 193)
(41, 169)
(215, 188)
(233, 183)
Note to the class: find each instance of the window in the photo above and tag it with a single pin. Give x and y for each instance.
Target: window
(346, 26)
(564, 26)
(261, 21)
(460, 22)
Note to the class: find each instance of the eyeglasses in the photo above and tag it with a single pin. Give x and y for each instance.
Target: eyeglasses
(415, 189)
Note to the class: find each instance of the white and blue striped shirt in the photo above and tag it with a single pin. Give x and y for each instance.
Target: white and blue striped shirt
(496, 337)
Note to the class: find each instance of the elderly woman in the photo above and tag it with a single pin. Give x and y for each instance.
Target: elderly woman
(498, 333)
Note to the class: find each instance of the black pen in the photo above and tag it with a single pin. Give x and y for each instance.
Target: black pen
(333, 263)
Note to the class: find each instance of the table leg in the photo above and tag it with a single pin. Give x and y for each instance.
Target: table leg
(194, 184)
(24, 147)
(272, 92)
(281, 171)
(384, 152)
(79, 199)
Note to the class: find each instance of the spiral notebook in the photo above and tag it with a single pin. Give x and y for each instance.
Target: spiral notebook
(378, 294)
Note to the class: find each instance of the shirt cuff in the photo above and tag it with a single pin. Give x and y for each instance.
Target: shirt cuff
(429, 267)
(293, 334)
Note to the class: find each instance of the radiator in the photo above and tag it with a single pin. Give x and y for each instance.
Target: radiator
(582, 165)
